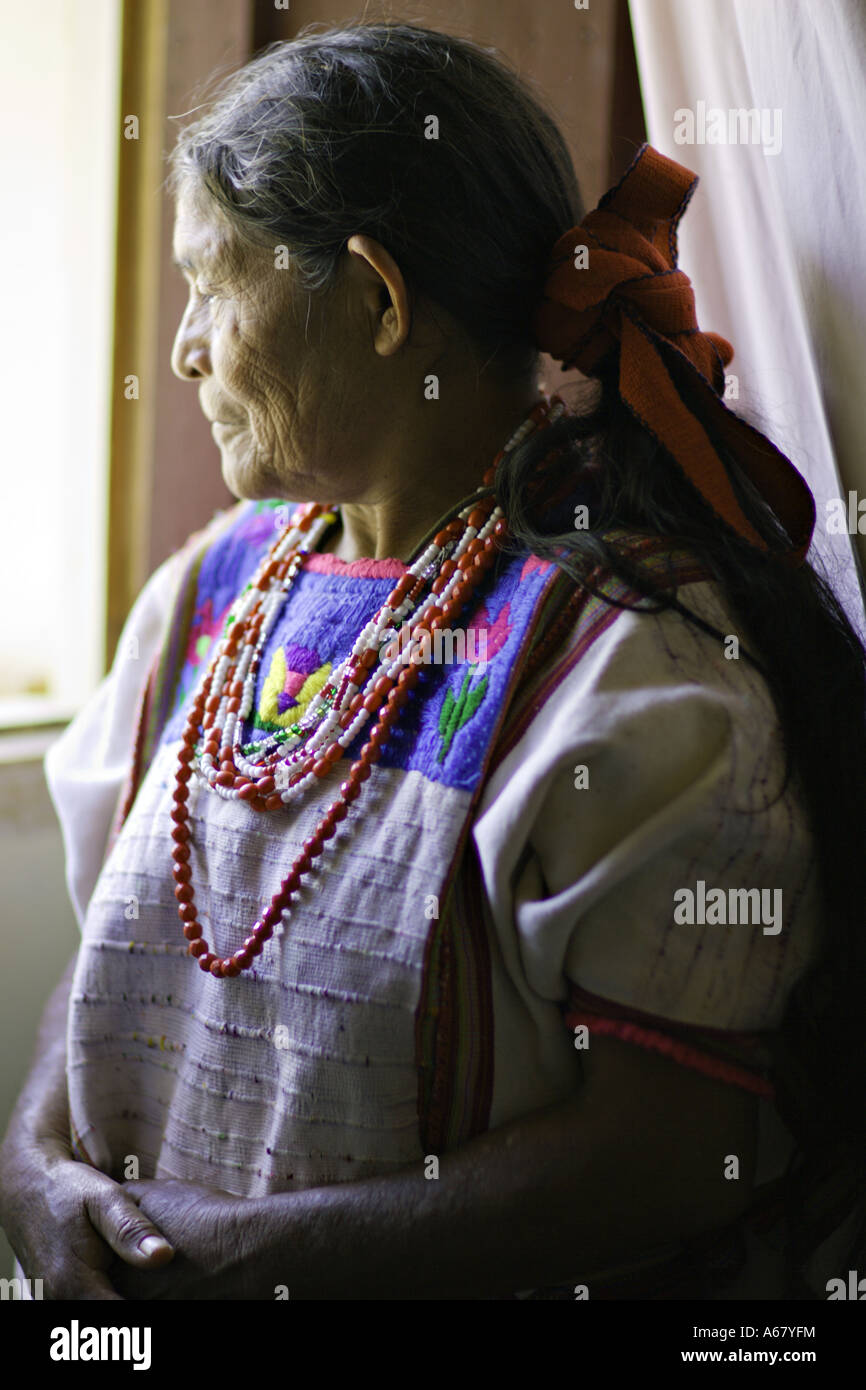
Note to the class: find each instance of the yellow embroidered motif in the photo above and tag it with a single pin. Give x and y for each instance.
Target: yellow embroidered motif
(281, 682)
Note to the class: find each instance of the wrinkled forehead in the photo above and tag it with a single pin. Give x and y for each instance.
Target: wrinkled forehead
(204, 239)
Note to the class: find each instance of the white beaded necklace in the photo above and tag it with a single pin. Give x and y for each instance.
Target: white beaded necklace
(284, 763)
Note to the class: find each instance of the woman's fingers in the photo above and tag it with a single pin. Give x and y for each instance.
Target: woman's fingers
(67, 1223)
(125, 1228)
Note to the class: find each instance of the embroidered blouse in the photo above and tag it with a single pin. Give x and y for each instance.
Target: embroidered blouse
(624, 864)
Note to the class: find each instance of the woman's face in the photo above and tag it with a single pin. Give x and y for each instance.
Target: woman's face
(287, 379)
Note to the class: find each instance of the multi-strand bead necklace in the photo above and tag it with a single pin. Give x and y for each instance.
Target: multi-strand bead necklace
(372, 681)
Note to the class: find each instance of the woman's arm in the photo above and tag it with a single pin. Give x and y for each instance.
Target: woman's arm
(636, 1160)
(41, 1114)
(64, 1220)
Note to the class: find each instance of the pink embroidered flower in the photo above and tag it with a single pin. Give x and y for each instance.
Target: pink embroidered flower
(533, 562)
(488, 638)
(202, 632)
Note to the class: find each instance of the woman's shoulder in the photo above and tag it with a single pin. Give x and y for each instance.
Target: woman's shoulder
(605, 649)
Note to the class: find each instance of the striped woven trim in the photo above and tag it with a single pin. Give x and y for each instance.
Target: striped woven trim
(454, 1015)
(738, 1059)
(456, 1024)
(683, 1053)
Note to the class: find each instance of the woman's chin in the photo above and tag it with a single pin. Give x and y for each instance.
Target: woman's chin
(241, 476)
(232, 477)
(252, 481)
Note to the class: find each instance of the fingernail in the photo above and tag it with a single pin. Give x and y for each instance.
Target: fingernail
(151, 1244)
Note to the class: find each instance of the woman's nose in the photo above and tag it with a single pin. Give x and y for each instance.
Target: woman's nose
(190, 354)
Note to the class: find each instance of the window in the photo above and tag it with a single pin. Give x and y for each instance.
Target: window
(59, 78)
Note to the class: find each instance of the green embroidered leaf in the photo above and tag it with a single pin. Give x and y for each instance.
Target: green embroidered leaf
(456, 713)
(454, 716)
(445, 713)
(473, 701)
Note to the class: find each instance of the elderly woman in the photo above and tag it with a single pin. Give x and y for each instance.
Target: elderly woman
(480, 914)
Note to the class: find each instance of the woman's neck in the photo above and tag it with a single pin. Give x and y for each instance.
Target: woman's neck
(424, 494)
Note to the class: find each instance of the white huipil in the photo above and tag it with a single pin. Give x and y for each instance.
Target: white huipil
(277, 1084)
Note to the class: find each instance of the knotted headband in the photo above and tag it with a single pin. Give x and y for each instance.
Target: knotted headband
(625, 288)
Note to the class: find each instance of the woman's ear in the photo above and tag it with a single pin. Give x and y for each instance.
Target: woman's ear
(384, 291)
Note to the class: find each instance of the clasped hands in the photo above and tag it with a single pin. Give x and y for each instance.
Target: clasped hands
(215, 1236)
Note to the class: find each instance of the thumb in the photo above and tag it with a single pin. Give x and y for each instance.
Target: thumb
(128, 1231)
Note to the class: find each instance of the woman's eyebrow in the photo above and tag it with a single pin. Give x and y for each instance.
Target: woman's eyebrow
(196, 265)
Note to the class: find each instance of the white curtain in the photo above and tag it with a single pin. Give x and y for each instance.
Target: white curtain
(772, 93)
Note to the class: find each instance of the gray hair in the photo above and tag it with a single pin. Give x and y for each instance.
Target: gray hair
(333, 134)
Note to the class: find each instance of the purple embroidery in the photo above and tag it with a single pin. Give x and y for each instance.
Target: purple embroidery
(445, 730)
(301, 662)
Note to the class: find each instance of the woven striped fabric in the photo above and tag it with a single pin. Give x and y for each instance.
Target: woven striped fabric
(454, 1018)
(364, 1037)
(360, 1032)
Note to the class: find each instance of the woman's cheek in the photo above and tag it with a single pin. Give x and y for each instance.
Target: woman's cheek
(234, 368)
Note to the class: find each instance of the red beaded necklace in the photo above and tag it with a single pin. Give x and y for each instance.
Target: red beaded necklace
(269, 775)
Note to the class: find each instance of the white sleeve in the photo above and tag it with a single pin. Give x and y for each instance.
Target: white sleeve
(86, 765)
(682, 756)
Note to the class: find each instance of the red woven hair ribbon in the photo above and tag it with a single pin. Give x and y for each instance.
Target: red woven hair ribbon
(625, 288)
